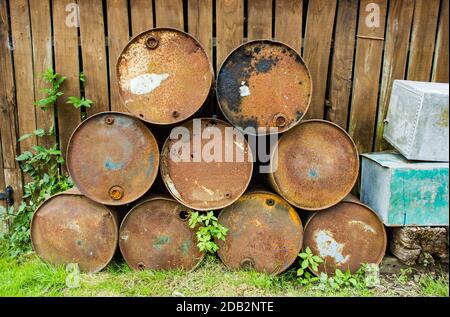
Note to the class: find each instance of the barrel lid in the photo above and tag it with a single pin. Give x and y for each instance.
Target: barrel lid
(198, 182)
(345, 236)
(264, 84)
(155, 234)
(315, 166)
(265, 233)
(113, 158)
(71, 228)
(164, 76)
(393, 159)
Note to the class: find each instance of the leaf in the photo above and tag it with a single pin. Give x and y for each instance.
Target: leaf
(24, 156)
(303, 255)
(39, 132)
(317, 258)
(24, 137)
(305, 264)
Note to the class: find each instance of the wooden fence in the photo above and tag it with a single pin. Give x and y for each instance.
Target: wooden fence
(354, 49)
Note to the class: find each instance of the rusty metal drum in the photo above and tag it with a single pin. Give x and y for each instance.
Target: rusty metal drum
(265, 233)
(202, 181)
(155, 235)
(345, 236)
(315, 165)
(264, 84)
(113, 158)
(71, 228)
(164, 76)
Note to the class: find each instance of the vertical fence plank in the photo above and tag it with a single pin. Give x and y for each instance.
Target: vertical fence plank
(118, 37)
(23, 70)
(169, 13)
(319, 30)
(426, 14)
(229, 27)
(369, 49)
(65, 34)
(141, 16)
(259, 19)
(394, 61)
(42, 60)
(10, 173)
(288, 23)
(440, 65)
(342, 63)
(200, 23)
(93, 49)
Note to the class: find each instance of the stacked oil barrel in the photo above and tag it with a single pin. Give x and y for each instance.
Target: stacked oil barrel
(139, 174)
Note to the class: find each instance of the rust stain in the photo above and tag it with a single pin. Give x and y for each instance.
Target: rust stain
(264, 84)
(164, 76)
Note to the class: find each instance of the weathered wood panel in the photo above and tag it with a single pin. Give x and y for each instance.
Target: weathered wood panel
(200, 23)
(288, 22)
(316, 53)
(369, 49)
(440, 65)
(169, 13)
(94, 54)
(395, 59)
(342, 63)
(141, 16)
(65, 34)
(229, 27)
(426, 13)
(259, 19)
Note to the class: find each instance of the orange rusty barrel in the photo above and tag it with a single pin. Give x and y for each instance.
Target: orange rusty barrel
(265, 233)
(71, 228)
(315, 165)
(346, 236)
(164, 76)
(113, 158)
(155, 235)
(264, 84)
(202, 181)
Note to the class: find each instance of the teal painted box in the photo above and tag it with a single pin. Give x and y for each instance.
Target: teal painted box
(405, 193)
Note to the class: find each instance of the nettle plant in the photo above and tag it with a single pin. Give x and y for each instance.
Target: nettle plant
(42, 166)
(208, 228)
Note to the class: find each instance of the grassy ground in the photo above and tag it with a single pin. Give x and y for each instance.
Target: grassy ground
(32, 277)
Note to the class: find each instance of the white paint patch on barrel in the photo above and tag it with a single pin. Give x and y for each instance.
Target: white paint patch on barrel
(244, 90)
(364, 225)
(146, 83)
(327, 246)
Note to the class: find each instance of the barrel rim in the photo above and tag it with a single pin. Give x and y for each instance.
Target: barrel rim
(157, 157)
(211, 71)
(273, 179)
(270, 41)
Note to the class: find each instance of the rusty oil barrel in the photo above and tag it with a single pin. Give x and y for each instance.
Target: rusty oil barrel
(315, 166)
(203, 184)
(71, 228)
(345, 236)
(264, 84)
(155, 235)
(265, 233)
(164, 76)
(113, 158)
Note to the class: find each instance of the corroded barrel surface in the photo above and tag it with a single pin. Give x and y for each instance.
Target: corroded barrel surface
(315, 166)
(164, 76)
(202, 181)
(113, 158)
(71, 228)
(265, 233)
(264, 84)
(346, 236)
(155, 235)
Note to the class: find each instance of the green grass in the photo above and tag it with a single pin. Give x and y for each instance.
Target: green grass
(32, 277)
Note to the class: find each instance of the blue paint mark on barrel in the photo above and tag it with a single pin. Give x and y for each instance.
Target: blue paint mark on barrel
(312, 173)
(110, 165)
(160, 242)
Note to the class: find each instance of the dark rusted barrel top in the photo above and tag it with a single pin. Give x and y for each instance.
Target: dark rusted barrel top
(164, 76)
(155, 235)
(201, 183)
(264, 84)
(71, 228)
(113, 158)
(265, 233)
(346, 236)
(315, 166)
